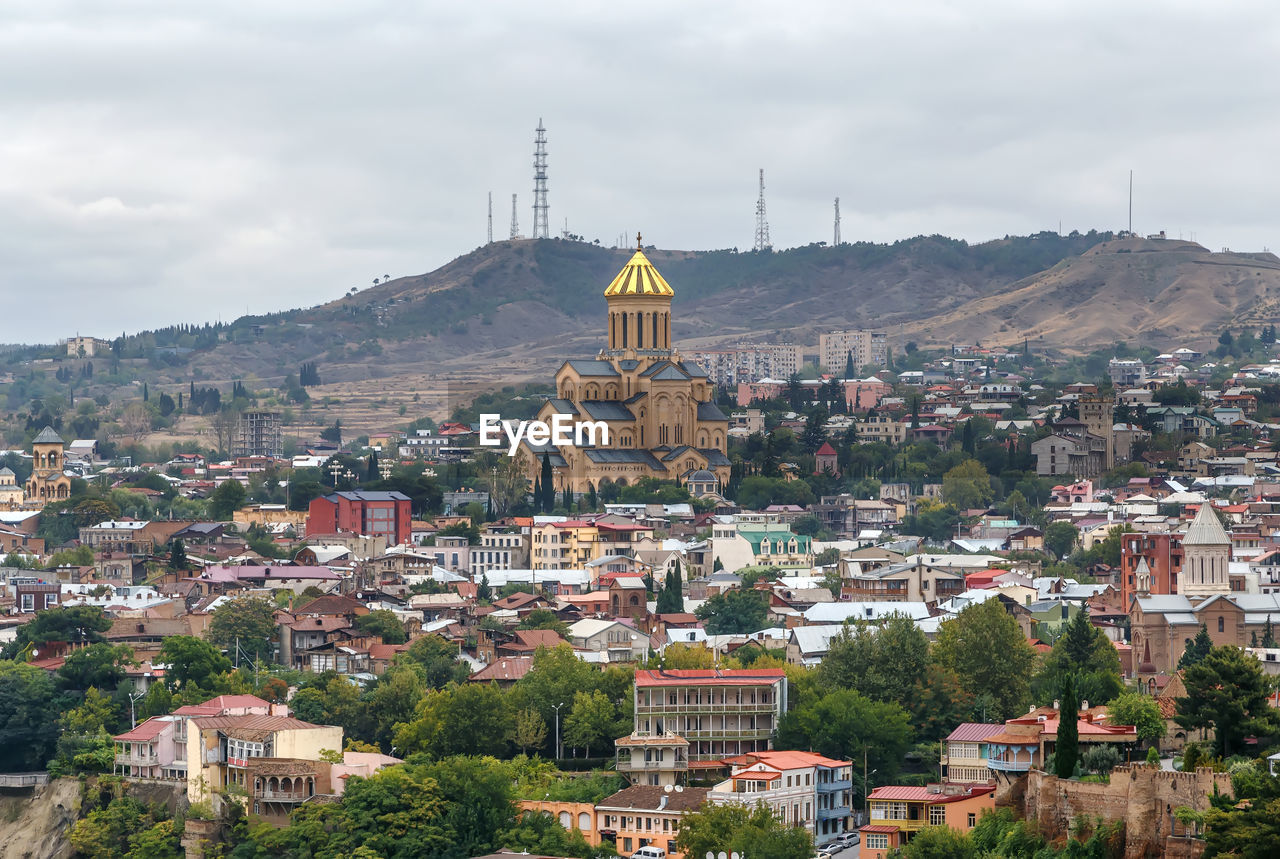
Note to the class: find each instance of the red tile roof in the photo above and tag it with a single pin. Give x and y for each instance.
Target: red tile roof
(148, 730)
(727, 677)
(904, 793)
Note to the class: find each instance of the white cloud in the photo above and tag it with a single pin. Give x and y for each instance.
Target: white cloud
(166, 163)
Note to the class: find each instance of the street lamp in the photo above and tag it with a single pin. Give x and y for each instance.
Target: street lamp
(133, 718)
(557, 707)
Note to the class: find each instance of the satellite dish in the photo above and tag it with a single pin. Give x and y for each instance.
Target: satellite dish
(34, 654)
(666, 789)
(679, 789)
(722, 855)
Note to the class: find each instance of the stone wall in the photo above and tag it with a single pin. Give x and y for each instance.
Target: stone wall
(1141, 796)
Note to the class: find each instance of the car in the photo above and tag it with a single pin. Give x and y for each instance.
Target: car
(848, 839)
(826, 851)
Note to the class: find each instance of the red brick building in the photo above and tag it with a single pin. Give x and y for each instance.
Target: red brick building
(1163, 556)
(369, 514)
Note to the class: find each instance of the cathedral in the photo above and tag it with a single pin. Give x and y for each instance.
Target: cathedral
(48, 482)
(660, 410)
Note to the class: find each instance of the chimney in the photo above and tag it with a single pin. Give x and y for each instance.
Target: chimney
(1084, 705)
(662, 802)
(1057, 705)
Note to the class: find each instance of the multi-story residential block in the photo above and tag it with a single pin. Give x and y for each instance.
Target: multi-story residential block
(897, 813)
(800, 788)
(369, 514)
(154, 750)
(1126, 372)
(729, 367)
(866, 347)
(500, 550)
(258, 434)
(882, 428)
(567, 545)
(86, 347)
(965, 753)
(1070, 450)
(721, 713)
(659, 760)
(911, 581)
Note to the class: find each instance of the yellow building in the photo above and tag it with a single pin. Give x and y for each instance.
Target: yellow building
(222, 750)
(659, 409)
(47, 482)
(11, 494)
(567, 545)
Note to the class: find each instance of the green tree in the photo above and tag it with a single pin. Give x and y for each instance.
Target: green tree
(530, 730)
(967, 486)
(191, 662)
(1085, 651)
(542, 618)
(1252, 832)
(746, 830)
(548, 501)
(554, 677)
(484, 593)
(471, 719)
(846, 724)
(1196, 649)
(247, 622)
(986, 649)
(733, 612)
(178, 556)
(1227, 691)
(384, 624)
(590, 721)
(939, 842)
(29, 707)
(1140, 711)
(436, 661)
(671, 597)
(226, 499)
(393, 700)
(79, 624)
(1067, 750)
(1060, 538)
(101, 665)
(885, 663)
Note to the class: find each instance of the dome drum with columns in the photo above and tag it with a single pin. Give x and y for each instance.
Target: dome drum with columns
(660, 410)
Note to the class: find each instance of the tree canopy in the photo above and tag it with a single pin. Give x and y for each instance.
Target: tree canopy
(987, 651)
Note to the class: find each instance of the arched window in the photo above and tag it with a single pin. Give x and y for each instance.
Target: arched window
(1222, 624)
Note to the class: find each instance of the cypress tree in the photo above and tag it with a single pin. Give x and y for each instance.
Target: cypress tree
(483, 591)
(849, 371)
(371, 471)
(1067, 750)
(548, 500)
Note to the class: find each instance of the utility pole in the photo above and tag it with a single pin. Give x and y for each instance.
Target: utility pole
(133, 718)
(557, 707)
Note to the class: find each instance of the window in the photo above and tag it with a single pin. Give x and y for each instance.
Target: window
(1222, 625)
(937, 815)
(973, 819)
(877, 841)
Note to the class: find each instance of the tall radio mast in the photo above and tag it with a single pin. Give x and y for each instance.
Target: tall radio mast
(541, 226)
(762, 223)
(515, 220)
(835, 241)
(490, 217)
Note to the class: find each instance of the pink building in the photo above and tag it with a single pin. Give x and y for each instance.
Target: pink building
(864, 394)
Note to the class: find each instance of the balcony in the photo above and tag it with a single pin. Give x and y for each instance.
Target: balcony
(728, 734)
(1020, 765)
(908, 823)
(827, 786)
(659, 709)
(131, 760)
(652, 766)
(282, 796)
(837, 813)
(212, 756)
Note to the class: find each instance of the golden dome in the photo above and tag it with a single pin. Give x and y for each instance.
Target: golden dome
(638, 277)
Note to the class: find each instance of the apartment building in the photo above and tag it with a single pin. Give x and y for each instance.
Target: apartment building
(567, 545)
(866, 347)
(500, 550)
(800, 788)
(258, 433)
(370, 514)
(722, 713)
(646, 816)
(728, 367)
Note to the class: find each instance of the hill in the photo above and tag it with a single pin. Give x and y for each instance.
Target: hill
(511, 311)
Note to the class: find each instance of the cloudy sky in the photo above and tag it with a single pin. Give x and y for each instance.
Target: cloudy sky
(168, 162)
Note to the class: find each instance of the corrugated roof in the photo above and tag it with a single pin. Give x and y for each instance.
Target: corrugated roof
(972, 732)
(729, 677)
(639, 277)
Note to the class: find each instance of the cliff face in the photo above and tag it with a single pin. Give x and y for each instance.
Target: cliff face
(36, 826)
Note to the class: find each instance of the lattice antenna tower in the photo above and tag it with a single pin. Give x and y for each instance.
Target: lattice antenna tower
(541, 225)
(835, 239)
(515, 219)
(490, 217)
(762, 222)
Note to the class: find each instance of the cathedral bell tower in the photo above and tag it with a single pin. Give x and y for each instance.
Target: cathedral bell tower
(639, 310)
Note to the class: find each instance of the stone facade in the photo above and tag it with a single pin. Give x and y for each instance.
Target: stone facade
(1143, 797)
